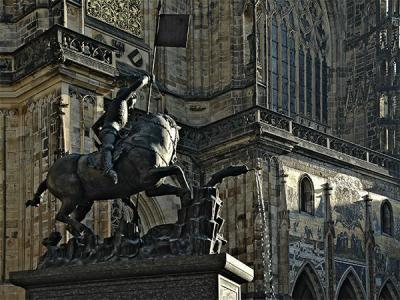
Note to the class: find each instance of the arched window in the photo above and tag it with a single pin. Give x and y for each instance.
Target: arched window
(298, 32)
(386, 218)
(306, 193)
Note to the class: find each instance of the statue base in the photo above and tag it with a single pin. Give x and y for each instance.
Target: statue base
(215, 276)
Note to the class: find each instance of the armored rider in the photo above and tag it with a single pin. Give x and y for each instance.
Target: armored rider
(114, 119)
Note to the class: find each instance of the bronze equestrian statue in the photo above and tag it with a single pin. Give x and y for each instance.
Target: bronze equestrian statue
(146, 157)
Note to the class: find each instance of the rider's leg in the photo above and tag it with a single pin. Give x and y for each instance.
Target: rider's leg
(108, 138)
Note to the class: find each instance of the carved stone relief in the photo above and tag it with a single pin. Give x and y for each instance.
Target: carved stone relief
(5, 64)
(124, 14)
(120, 47)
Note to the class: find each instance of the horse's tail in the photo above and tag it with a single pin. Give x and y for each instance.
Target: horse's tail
(37, 197)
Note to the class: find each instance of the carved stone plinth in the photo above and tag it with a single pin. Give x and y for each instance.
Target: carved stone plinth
(187, 277)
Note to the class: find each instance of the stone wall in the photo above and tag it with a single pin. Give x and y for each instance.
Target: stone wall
(22, 21)
(307, 242)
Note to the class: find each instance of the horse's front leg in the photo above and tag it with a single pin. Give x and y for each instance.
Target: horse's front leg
(161, 172)
(167, 189)
(183, 192)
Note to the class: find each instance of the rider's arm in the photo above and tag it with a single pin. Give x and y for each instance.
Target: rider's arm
(137, 85)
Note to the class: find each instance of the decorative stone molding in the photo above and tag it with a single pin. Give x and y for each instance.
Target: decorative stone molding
(123, 14)
(6, 64)
(120, 46)
(8, 112)
(91, 48)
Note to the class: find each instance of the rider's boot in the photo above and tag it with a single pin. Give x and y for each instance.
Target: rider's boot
(107, 165)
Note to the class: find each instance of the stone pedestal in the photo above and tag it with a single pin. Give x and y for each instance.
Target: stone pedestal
(188, 277)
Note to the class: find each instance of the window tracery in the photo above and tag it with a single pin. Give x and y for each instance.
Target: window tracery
(297, 61)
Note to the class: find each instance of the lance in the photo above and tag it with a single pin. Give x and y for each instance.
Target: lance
(153, 59)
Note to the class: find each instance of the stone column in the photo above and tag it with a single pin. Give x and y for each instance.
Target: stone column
(283, 247)
(369, 250)
(329, 235)
(277, 268)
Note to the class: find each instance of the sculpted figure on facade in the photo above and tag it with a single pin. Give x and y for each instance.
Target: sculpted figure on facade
(115, 119)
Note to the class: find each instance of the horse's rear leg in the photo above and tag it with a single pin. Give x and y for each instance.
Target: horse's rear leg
(80, 213)
(67, 207)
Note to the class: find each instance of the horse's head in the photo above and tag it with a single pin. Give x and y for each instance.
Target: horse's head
(173, 130)
(157, 132)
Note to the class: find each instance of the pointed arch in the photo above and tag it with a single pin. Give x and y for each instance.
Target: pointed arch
(388, 291)
(307, 284)
(350, 286)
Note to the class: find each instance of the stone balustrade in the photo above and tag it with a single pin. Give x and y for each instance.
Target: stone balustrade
(57, 45)
(246, 121)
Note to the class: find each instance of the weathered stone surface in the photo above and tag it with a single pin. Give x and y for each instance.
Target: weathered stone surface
(203, 277)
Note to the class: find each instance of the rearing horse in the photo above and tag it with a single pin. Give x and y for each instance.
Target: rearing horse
(147, 157)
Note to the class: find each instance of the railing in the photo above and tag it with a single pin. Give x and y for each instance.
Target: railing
(57, 45)
(245, 121)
